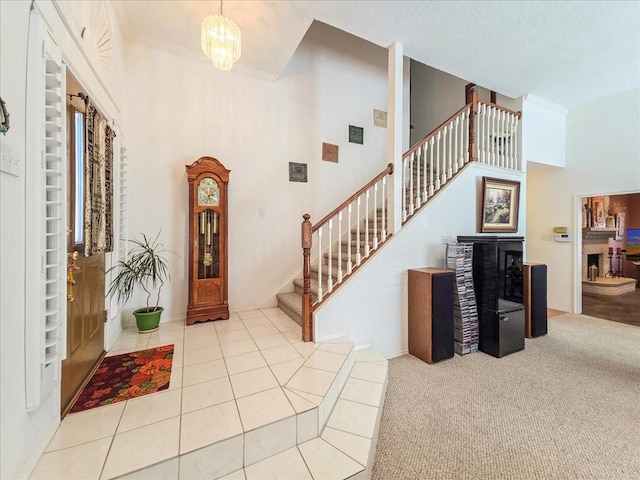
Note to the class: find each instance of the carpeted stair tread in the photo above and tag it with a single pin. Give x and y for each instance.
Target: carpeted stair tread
(298, 285)
(291, 304)
(314, 272)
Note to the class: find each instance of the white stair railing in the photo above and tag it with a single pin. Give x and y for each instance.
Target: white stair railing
(497, 129)
(478, 131)
(360, 236)
(429, 165)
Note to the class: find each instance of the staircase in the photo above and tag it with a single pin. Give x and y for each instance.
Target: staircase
(479, 132)
(291, 302)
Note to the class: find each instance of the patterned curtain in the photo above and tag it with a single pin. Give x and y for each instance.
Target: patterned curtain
(98, 186)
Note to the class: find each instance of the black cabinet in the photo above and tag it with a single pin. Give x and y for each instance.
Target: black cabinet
(498, 286)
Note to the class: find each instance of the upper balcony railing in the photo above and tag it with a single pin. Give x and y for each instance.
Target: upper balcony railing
(479, 131)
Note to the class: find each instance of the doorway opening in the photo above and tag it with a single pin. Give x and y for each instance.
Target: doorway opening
(607, 225)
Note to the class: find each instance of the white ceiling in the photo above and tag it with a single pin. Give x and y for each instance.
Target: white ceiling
(567, 52)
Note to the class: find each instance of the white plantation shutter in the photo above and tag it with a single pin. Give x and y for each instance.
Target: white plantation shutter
(122, 204)
(120, 193)
(46, 216)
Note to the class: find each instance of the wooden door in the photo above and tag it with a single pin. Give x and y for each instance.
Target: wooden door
(86, 275)
(85, 324)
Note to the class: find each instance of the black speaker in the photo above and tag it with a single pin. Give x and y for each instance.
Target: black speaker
(431, 314)
(535, 299)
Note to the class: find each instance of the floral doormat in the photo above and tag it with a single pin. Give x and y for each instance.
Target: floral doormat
(126, 376)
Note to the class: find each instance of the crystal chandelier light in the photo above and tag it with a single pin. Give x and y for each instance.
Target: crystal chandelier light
(221, 40)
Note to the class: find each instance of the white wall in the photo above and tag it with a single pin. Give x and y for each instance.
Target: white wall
(180, 107)
(436, 95)
(544, 131)
(603, 152)
(371, 309)
(23, 434)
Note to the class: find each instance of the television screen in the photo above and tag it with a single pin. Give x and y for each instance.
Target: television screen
(633, 244)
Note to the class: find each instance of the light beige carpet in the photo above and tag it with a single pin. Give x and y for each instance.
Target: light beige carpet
(566, 407)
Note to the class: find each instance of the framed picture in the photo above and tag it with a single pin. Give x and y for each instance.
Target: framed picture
(356, 134)
(500, 199)
(297, 172)
(380, 118)
(329, 152)
(599, 208)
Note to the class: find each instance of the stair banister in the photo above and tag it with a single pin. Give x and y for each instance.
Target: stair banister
(473, 146)
(501, 108)
(496, 127)
(307, 316)
(307, 231)
(432, 134)
(491, 138)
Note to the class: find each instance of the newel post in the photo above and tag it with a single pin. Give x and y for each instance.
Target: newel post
(472, 97)
(307, 314)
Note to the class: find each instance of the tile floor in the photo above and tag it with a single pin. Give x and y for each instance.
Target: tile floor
(247, 400)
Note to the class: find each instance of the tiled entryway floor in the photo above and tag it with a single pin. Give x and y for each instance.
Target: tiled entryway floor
(247, 399)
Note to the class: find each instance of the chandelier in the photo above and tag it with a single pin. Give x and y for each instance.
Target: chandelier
(221, 40)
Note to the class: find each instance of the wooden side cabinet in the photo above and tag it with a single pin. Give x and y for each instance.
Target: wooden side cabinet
(431, 314)
(535, 299)
(208, 232)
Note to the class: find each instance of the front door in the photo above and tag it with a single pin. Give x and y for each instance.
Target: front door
(86, 275)
(85, 323)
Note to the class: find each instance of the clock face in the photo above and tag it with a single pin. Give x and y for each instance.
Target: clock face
(208, 192)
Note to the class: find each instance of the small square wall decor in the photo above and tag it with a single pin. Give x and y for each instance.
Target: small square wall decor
(329, 152)
(297, 172)
(380, 118)
(356, 134)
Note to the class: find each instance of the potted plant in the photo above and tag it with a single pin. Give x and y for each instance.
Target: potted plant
(146, 268)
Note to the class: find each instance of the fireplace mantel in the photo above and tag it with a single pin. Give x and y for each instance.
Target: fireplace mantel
(598, 234)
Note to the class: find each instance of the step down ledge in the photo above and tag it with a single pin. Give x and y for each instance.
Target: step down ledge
(356, 390)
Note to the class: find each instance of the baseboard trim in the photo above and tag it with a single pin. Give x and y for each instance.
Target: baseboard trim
(36, 452)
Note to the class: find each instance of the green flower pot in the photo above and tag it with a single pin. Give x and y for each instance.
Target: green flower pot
(147, 320)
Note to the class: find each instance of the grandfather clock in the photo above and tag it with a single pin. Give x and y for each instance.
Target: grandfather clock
(208, 278)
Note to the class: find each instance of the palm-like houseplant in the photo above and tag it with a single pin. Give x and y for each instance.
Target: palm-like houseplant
(147, 268)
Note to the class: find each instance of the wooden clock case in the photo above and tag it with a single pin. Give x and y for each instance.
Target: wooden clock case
(208, 240)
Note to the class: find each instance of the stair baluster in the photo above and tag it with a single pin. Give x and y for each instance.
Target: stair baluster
(329, 257)
(375, 216)
(358, 246)
(320, 264)
(339, 248)
(349, 247)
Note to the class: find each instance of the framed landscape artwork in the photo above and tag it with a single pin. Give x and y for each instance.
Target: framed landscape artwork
(500, 199)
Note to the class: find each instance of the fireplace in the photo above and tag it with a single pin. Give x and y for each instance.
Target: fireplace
(595, 254)
(594, 259)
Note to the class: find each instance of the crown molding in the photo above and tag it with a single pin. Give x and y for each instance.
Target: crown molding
(197, 56)
(546, 103)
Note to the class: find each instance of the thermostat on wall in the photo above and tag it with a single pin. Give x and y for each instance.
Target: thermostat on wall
(561, 234)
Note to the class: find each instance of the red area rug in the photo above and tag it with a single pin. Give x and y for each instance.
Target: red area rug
(126, 376)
